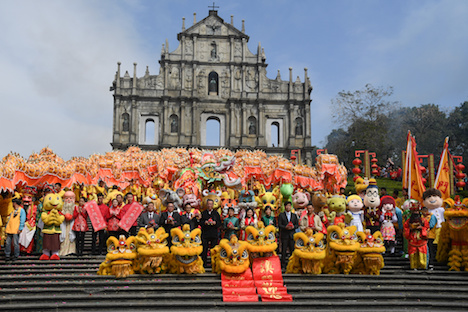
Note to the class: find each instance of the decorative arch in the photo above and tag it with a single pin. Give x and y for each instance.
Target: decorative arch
(204, 118)
(149, 130)
(274, 132)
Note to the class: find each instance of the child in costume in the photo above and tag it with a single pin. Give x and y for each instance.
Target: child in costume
(14, 226)
(416, 229)
(388, 218)
(432, 220)
(80, 226)
(26, 239)
(432, 200)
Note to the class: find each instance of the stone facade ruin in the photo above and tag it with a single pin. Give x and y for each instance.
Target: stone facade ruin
(212, 75)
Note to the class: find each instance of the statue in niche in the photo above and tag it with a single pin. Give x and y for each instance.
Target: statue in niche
(298, 129)
(214, 53)
(252, 127)
(213, 85)
(174, 125)
(174, 77)
(126, 122)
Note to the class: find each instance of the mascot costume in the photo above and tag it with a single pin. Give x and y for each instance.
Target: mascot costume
(52, 217)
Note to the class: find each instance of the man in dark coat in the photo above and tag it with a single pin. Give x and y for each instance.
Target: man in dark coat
(210, 222)
(287, 223)
(169, 220)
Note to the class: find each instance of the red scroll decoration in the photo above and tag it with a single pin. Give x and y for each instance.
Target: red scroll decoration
(130, 216)
(269, 279)
(238, 287)
(95, 216)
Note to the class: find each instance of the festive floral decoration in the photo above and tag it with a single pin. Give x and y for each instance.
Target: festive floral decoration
(187, 168)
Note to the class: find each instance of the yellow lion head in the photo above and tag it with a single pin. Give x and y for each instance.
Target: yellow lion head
(151, 243)
(309, 246)
(230, 256)
(262, 240)
(186, 245)
(370, 243)
(342, 239)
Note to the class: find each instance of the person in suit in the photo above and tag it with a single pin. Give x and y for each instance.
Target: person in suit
(210, 222)
(149, 219)
(287, 223)
(169, 219)
(189, 217)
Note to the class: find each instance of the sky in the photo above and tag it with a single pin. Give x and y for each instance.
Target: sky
(58, 58)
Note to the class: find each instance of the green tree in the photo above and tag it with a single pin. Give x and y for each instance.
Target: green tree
(457, 125)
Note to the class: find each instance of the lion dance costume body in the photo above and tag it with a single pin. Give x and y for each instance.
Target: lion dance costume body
(309, 253)
(185, 251)
(453, 240)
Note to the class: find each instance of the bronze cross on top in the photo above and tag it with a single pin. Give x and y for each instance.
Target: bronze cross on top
(213, 6)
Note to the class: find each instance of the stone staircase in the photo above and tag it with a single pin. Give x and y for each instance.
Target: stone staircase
(72, 284)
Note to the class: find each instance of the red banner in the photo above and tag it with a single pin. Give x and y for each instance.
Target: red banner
(269, 279)
(95, 216)
(238, 287)
(130, 216)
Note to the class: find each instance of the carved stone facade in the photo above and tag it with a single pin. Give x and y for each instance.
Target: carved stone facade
(212, 75)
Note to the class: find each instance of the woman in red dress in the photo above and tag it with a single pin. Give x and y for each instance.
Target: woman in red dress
(249, 219)
(80, 226)
(114, 219)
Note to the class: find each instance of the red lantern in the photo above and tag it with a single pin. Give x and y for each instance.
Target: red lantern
(374, 160)
(460, 167)
(461, 184)
(356, 170)
(375, 172)
(422, 168)
(355, 178)
(374, 166)
(460, 175)
(357, 162)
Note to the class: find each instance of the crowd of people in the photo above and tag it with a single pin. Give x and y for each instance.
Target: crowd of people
(388, 217)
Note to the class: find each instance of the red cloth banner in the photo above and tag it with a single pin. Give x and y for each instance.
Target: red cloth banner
(269, 279)
(238, 287)
(130, 216)
(95, 216)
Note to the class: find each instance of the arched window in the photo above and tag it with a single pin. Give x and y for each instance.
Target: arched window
(149, 131)
(174, 123)
(298, 129)
(275, 134)
(213, 131)
(252, 124)
(125, 122)
(213, 83)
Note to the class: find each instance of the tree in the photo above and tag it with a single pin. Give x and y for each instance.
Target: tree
(366, 104)
(457, 126)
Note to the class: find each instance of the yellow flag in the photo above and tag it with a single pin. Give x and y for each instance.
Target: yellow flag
(413, 176)
(442, 180)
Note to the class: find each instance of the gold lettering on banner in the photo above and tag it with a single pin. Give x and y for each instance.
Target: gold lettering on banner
(271, 291)
(267, 277)
(267, 267)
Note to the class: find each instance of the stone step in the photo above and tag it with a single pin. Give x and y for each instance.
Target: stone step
(155, 304)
